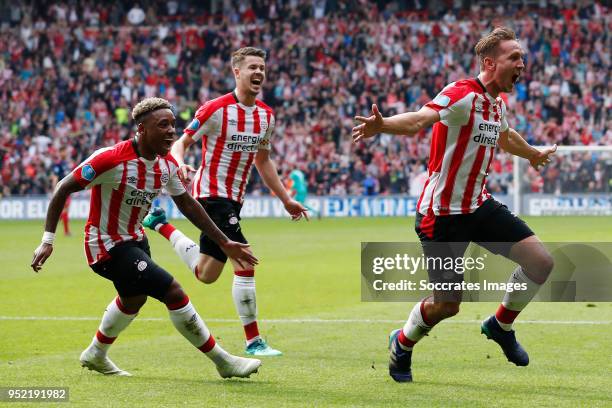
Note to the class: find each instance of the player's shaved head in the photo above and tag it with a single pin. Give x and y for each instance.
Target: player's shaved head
(488, 45)
(240, 55)
(148, 105)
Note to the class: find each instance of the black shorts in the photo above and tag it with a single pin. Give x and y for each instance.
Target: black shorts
(225, 214)
(491, 226)
(133, 272)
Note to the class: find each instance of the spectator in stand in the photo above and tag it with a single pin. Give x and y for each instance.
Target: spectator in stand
(68, 71)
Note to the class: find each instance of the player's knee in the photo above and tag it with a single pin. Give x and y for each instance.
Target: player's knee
(449, 309)
(174, 294)
(208, 278)
(541, 267)
(133, 303)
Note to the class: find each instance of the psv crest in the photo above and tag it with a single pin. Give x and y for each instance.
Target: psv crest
(264, 126)
(165, 176)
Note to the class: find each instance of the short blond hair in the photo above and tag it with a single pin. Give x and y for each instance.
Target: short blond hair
(240, 54)
(487, 45)
(148, 105)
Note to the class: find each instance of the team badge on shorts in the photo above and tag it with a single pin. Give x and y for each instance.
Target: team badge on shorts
(142, 265)
(87, 172)
(233, 220)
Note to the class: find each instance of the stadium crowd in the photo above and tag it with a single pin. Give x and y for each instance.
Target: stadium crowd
(70, 72)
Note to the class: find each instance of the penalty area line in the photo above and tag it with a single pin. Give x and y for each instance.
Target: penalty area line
(307, 320)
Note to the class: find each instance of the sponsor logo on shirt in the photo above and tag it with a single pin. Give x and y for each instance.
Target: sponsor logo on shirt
(244, 142)
(139, 198)
(87, 172)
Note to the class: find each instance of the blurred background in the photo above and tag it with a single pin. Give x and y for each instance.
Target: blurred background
(71, 71)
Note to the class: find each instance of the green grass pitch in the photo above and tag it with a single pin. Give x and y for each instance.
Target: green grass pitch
(308, 286)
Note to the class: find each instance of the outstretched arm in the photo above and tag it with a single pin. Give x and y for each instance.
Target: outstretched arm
(408, 123)
(178, 152)
(64, 188)
(512, 142)
(267, 171)
(198, 217)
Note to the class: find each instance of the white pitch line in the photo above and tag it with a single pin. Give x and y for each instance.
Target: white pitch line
(309, 320)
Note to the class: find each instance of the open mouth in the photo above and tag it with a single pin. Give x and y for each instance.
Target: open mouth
(256, 81)
(515, 78)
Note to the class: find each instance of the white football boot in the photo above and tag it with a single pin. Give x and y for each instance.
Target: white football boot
(100, 363)
(236, 366)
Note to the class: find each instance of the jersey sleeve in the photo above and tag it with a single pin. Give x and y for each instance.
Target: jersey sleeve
(95, 169)
(452, 104)
(206, 121)
(265, 142)
(503, 121)
(175, 186)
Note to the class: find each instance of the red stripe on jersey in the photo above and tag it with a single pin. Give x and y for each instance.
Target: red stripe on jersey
(236, 156)
(197, 189)
(256, 124)
(245, 174)
(115, 206)
(157, 175)
(95, 214)
(485, 107)
(96, 206)
(140, 184)
(466, 203)
(438, 147)
(462, 142)
(90, 259)
(241, 118)
(491, 152)
(422, 193)
(251, 156)
(214, 162)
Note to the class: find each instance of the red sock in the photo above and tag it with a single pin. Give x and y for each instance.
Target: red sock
(166, 230)
(405, 341)
(251, 331)
(506, 316)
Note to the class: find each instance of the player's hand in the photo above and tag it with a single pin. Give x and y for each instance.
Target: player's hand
(296, 210)
(369, 126)
(185, 173)
(542, 158)
(40, 256)
(239, 252)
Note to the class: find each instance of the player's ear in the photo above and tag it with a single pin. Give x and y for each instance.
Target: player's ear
(141, 129)
(489, 63)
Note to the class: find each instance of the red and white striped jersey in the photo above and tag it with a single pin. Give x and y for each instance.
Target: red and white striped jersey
(231, 134)
(462, 148)
(123, 188)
